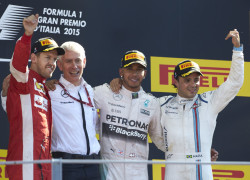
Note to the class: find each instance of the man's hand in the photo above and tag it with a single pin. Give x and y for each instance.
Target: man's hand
(116, 85)
(235, 37)
(30, 23)
(5, 85)
(214, 154)
(51, 84)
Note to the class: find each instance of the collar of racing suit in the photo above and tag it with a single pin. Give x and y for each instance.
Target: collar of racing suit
(130, 94)
(38, 77)
(186, 101)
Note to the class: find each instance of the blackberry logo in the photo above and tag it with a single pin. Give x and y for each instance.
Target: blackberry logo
(12, 20)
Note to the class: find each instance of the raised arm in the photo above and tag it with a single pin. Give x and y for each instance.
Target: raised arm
(19, 61)
(229, 89)
(235, 37)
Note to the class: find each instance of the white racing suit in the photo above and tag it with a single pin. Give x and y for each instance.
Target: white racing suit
(188, 125)
(125, 123)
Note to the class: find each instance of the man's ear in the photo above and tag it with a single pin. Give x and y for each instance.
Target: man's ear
(175, 82)
(59, 64)
(121, 72)
(33, 58)
(145, 73)
(84, 62)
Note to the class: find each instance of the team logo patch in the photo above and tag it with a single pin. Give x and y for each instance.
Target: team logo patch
(117, 97)
(38, 86)
(196, 105)
(165, 132)
(46, 42)
(187, 65)
(143, 111)
(170, 112)
(169, 156)
(67, 102)
(112, 150)
(64, 94)
(183, 101)
(194, 156)
(41, 102)
(134, 56)
(135, 95)
(146, 103)
(120, 152)
(132, 155)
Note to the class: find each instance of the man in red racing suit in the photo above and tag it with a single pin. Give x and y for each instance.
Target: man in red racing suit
(28, 104)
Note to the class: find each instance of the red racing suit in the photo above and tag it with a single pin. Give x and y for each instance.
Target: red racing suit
(29, 114)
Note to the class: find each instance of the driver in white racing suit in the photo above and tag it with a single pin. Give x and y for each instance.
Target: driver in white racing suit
(189, 119)
(126, 119)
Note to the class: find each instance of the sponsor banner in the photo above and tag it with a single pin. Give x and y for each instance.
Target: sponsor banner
(62, 21)
(158, 170)
(220, 172)
(3, 173)
(231, 172)
(119, 132)
(215, 72)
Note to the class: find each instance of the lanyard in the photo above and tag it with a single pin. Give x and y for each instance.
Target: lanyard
(78, 100)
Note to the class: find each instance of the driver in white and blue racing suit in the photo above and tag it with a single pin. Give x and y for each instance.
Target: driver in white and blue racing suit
(189, 120)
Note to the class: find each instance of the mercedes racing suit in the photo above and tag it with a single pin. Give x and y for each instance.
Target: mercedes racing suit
(126, 118)
(29, 114)
(188, 125)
